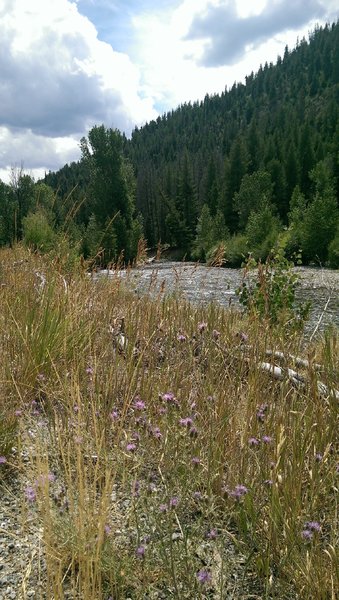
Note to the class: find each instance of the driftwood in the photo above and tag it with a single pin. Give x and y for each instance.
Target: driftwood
(295, 377)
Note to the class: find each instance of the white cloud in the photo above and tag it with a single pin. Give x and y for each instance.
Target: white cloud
(176, 65)
(58, 80)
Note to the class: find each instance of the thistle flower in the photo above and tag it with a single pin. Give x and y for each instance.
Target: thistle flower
(181, 337)
(313, 526)
(174, 502)
(140, 552)
(114, 415)
(203, 576)
(139, 404)
(193, 432)
(318, 457)
(195, 461)
(266, 439)
(186, 421)
(169, 398)
(307, 534)
(253, 441)
(131, 447)
(212, 534)
(3, 460)
(163, 507)
(156, 433)
(202, 326)
(30, 493)
(239, 491)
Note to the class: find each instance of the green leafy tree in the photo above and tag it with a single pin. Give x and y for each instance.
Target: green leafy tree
(320, 220)
(38, 233)
(262, 230)
(254, 190)
(111, 189)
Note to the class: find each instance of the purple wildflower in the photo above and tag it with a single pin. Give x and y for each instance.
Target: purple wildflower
(131, 447)
(140, 552)
(202, 326)
(76, 408)
(169, 398)
(242, 336)
(261, 413)
(266, 439)
(268, 482)
(253, 441)
(174, 502)
(197, 495)
(163, 507)
(157, 433)
(318, 457)
(139, 404)
(181, 337)
(193, 432)
(195, 461)
(212, 534)
(216, 334)
(186, 422)
(313, 526)
(89, 370)
(30, 493)
(107, 529)
(203, 576)
(162, 410)
(307, 534)
(3, 460)
(18, 413)
(114, 415)
(239, 491)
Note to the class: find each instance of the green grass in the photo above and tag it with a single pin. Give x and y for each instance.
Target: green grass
(139, 453)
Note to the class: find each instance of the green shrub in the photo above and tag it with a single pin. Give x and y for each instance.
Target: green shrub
(270, 295)
(38, 233)
(333, 252)
(236, 250)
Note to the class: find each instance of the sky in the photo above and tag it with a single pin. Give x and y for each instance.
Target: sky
(66, 65)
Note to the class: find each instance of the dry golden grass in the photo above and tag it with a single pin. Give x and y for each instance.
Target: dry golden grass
(156, 435)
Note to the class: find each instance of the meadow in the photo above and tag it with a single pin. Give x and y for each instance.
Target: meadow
(150, 454)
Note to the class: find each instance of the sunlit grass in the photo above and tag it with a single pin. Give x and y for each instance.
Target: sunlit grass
(156, 444)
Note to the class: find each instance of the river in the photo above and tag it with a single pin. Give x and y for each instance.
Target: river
(200, 284)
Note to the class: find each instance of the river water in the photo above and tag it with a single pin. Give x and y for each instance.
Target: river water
(202, 284)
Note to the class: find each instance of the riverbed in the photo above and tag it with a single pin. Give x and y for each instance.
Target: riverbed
(201, 284)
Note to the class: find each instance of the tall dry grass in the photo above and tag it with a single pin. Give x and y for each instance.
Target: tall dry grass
(158, 452)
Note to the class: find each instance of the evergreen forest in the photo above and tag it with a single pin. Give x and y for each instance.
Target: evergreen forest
(251, 169)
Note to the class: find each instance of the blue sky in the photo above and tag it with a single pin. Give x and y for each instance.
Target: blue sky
(66, 65)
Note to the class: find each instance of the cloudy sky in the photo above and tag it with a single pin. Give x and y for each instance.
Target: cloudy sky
(66, 65)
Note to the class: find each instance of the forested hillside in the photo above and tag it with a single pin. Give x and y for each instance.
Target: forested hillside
(235, 173)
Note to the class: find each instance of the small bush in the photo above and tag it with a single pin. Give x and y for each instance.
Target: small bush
(236, 250)
(271, 294)
(333, 252)
(38, 234)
